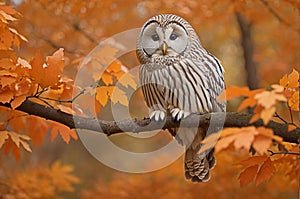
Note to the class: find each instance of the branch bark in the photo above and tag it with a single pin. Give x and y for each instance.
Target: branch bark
(232, 119)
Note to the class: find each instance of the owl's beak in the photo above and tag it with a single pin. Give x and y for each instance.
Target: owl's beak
(164, 48)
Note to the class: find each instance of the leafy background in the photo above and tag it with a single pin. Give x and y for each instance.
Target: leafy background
(42, 44)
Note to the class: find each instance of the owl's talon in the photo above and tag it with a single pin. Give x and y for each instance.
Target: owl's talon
(178, 114)
(157, 115)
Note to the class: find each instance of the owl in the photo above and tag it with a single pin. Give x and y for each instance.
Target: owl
(179, 77)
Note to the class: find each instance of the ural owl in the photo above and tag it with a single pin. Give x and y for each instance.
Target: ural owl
(179, 77)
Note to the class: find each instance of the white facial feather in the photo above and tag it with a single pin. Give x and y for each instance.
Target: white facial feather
(154, 36)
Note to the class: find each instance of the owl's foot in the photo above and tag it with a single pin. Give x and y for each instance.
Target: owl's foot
(178, 114)
(158, 115)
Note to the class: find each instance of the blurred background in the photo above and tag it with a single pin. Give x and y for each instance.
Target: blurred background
(257, 42)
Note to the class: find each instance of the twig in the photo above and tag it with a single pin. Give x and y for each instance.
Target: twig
(64, 101)
(283, 153)
(279, 117)
(291, 115)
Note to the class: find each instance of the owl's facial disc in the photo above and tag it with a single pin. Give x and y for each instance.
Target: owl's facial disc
(170, 40)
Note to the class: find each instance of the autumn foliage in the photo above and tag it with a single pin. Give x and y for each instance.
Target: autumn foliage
(39, 62)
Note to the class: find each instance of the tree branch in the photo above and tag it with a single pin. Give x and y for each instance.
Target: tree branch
(143, 125)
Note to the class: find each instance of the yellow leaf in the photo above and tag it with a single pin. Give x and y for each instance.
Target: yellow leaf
(66, 109)
(19, 139)
(267, 99)
(293, 79)
(3, 137)
(284, 81)
(102, 94)
(261, 144)
(277, 88)
(294, 101)
(240, 137)
(128, 80)
(107, 78)
(119, 96)
(267, 114)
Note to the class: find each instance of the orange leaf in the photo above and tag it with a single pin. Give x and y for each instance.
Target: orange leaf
(47, 74)
(114, 67)
(253, 160)
(232, 92)
(293, 79)
(268, 99)
(19, 139)
(265, 172)
(294, 101)
(6, 95)
(7, 80)
(254, 118)
(261, 143)
(107, 78)
(267, 114)
(3, 137)
(66, 109)
(249, 102)
(240, 137)
(291, 128)
(248, 175)
(17, 101)
(102, 94)
(73, 134)
(64, 131)
(284, 81)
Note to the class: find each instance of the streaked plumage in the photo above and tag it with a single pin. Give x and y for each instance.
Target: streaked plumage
(180, 77)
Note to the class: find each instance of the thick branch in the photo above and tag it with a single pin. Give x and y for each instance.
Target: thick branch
(143, 125)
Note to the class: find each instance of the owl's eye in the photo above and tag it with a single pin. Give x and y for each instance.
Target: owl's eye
(173, 36)
(155, 37)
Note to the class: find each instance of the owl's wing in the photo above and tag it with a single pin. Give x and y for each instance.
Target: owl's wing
(215, 80)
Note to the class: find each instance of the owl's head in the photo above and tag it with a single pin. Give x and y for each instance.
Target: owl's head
(165, 35)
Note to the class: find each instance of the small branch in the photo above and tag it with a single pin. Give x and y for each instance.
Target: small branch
(62, 101)
(283, 153)
(291, 115)
(279, 117)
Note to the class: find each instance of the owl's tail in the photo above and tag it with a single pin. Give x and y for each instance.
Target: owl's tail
(197, 166)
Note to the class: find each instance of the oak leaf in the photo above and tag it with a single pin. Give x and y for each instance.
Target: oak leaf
(247, 176)
(232, 92)
(267, 99)
(65, 132)
(20, 139)
(265, 172)
(49, 73)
